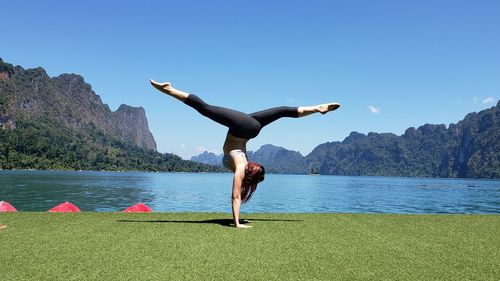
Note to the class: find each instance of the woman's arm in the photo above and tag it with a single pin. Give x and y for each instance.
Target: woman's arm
(239, 174)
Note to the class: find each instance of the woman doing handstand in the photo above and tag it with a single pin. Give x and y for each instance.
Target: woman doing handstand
(242, 127)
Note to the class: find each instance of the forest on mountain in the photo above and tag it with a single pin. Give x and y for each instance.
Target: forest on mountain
(468, 149)
(60, 123)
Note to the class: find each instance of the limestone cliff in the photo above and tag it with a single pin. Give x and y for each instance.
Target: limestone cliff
(131, 122)
(69, 101)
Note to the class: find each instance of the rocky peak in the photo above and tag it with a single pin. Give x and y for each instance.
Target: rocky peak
(6, 70)
(72, 80)
(69, 101)
(129, 109)
(208, 158)
(353, 137)
(131, 122)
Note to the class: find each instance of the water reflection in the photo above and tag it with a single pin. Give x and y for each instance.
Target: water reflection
(103, 191)
(90, 191)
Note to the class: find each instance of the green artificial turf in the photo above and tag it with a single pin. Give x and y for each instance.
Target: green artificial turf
(201, 246)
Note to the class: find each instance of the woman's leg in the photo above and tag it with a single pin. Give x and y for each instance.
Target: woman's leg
(268, 116)
(240, 124)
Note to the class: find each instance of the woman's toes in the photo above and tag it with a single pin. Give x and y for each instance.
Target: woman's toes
(333, 106)
(161, 86)
(327, 107)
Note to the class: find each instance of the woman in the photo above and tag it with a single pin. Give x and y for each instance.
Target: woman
(242, 127)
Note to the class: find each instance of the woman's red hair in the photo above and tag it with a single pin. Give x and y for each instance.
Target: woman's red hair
(254, 173)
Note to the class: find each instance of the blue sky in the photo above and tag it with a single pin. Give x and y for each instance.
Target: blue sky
(391, 64)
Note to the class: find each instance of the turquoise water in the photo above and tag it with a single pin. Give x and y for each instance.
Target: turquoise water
(166, 192)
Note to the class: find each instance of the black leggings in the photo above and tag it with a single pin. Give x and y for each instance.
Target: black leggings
(240, 124)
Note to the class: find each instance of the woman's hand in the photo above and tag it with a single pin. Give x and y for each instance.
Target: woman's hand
(243, 224)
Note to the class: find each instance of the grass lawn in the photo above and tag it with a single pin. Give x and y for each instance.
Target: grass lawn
(201, 246)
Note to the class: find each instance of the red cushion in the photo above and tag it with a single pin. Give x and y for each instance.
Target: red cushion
(6, 207)
(138, 208)
(64, 208)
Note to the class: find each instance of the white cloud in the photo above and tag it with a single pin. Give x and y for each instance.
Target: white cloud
(183, 146)
(475, 100)
(489, 100)
(374, 109)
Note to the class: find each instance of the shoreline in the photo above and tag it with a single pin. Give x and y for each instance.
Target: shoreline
(175, 172)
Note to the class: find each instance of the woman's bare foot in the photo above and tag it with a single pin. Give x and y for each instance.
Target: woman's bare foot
(162, 87)
(327, 107)
(166, 87)
(321, 108)
(3, 226)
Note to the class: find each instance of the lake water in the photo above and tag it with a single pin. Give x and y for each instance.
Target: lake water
(167, 192)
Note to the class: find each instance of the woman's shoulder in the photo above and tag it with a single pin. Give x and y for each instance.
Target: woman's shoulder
(239, 159)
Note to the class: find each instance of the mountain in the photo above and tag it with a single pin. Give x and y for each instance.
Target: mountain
(276, 159)
(60, 123)
(208, 158)
(133, 125)
(468, 149)
(70, 102)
